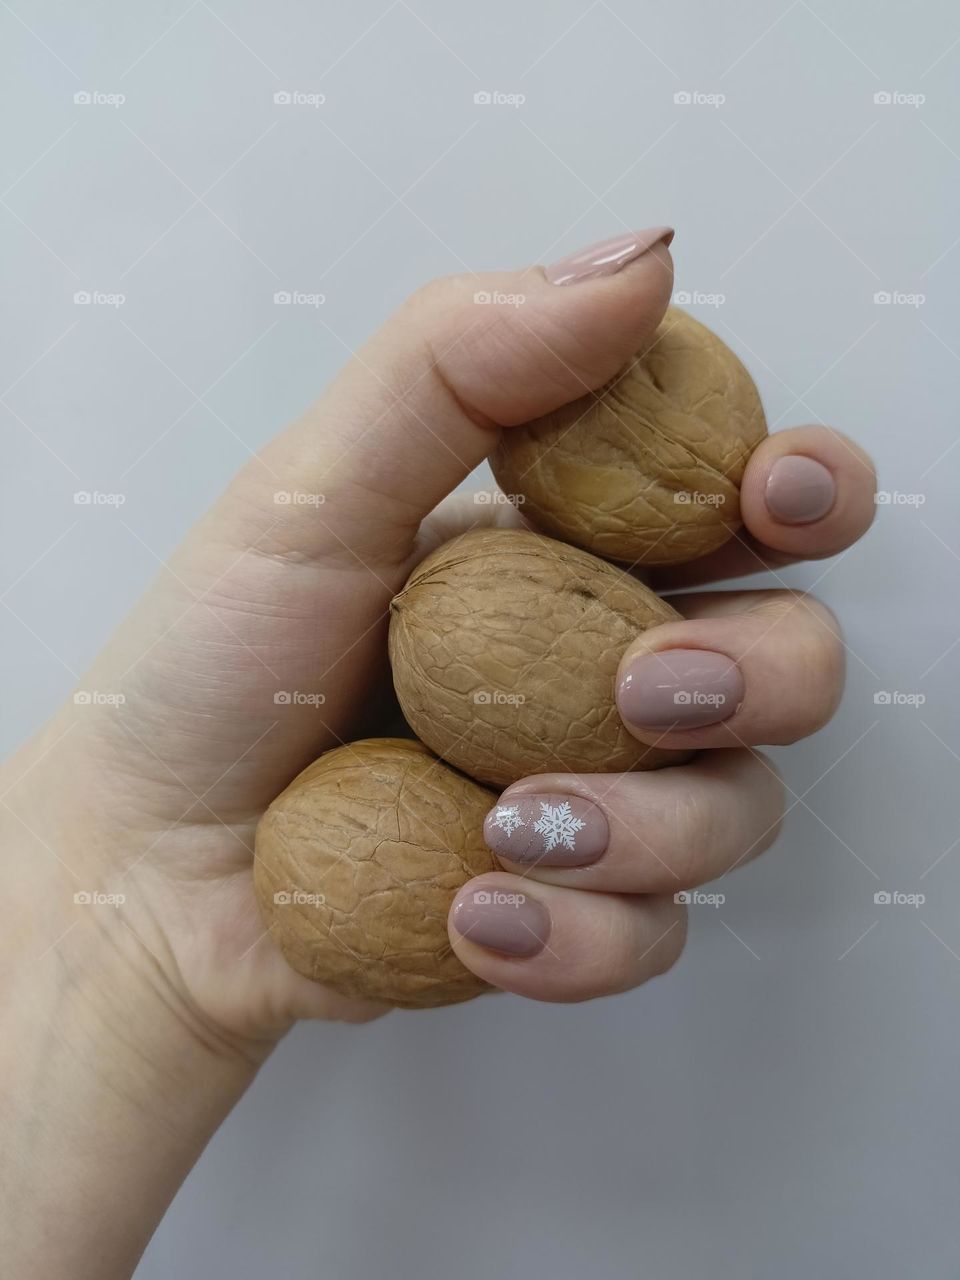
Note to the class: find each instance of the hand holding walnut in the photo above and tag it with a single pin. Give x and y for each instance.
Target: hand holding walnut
(159, 800)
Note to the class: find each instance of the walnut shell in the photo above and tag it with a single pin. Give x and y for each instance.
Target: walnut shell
(357, 864)
(649, 469)
(505, 646)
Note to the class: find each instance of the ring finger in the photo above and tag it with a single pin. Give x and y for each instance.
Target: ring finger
(639, 832)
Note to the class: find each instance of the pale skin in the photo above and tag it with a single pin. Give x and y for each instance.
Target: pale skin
(129, 1032)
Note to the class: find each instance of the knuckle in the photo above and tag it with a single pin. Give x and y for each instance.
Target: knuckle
(690, 829)
(813, 640)
(822, 661)
(437, 292)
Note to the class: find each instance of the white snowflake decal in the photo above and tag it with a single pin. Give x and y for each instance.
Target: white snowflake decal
(557, 825)
(507, 818)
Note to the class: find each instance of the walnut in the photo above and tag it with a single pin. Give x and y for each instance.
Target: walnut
(648, 470)
(505, 646)
(358, 861)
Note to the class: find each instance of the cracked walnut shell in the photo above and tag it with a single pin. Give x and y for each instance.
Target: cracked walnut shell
(505, 646)
(358, 861)
(648, 470)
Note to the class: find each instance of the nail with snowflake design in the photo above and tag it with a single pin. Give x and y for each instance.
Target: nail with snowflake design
(548, 830)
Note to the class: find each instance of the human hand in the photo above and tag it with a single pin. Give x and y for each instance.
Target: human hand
(156, 797)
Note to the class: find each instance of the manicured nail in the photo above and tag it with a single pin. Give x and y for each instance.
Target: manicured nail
(799, 490)
(607, 256)
(680, 689)
(512, 923)
(547, 830)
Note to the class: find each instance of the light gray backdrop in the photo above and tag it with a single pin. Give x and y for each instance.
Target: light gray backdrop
(784, 1104)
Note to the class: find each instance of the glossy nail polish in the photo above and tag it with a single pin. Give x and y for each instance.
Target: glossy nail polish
(513, 923)
(799, 490)
(679, 689)
(547, 830)
(607, 256)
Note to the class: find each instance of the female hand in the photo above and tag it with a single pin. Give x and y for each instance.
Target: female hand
(159, 1010)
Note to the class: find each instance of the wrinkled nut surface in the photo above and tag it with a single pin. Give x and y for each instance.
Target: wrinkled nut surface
(505, 646)
(648, 470)
(357, 864)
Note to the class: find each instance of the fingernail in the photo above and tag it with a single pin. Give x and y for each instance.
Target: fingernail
(799, 490)
(512, 923)
(549, 830)
(680, 689)
(607, 256)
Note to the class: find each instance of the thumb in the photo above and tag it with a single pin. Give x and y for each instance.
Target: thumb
(420, 405)
(283, 587)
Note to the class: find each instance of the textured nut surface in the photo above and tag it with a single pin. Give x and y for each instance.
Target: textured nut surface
(650, 469)
(505, 645)
(370, 844)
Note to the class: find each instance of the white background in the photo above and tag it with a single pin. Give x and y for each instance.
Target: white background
(784, 1103)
